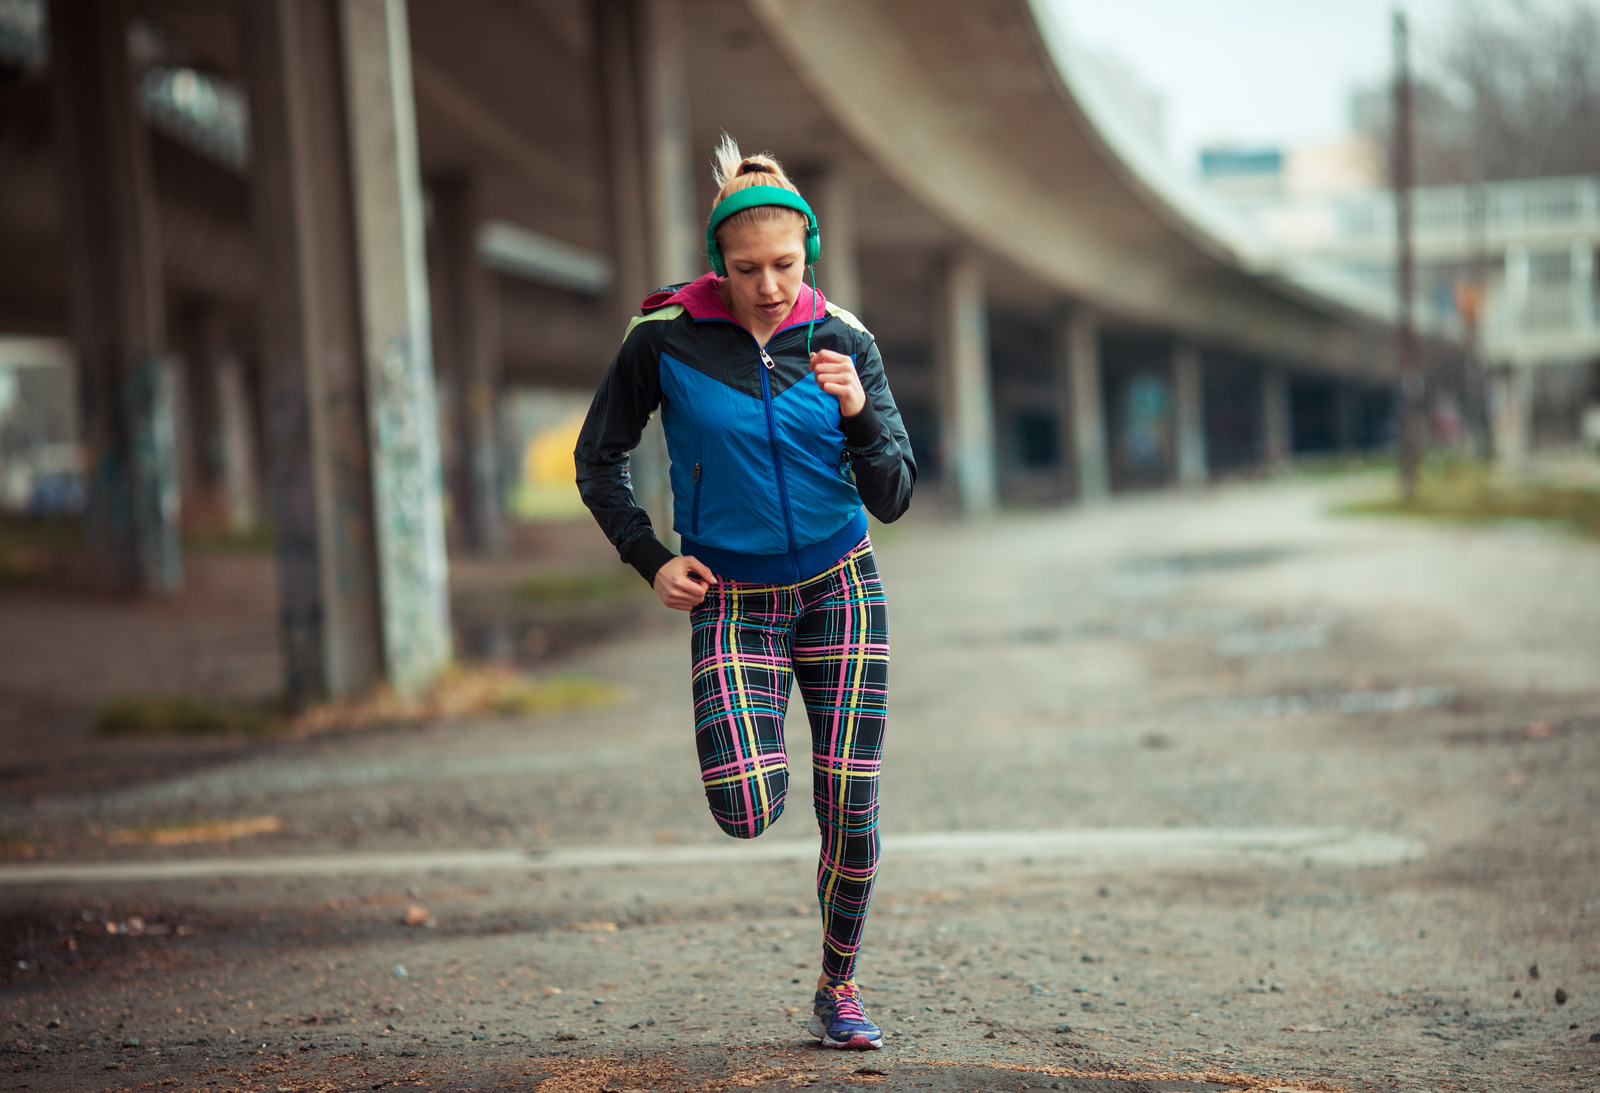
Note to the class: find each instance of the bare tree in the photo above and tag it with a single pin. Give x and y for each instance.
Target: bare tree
(1528, 78)
(1512, 91)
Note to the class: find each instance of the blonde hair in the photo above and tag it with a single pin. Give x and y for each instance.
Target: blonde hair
(733, 171)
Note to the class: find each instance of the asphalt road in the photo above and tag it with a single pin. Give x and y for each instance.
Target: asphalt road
(1180, 794)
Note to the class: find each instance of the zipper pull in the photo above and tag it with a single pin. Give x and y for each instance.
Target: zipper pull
(695, 474)
(767, 360)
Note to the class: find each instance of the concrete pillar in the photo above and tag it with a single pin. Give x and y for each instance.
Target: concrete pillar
(619, 94)
(1188, 388)
(318, 462)
(672, 230)
(839, 272)
(193, 404)
(221, 425)
(1277, 440)
(1080, 402)
(398, 343)
(966, 405)
(467, 318)
(677, 236)
(234, 443)
(1511, 409)
(126, 379)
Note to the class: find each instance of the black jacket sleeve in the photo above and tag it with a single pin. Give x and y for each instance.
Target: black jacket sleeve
(628, 395)
(876, 442)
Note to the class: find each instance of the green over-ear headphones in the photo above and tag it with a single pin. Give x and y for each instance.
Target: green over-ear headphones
(749, 198)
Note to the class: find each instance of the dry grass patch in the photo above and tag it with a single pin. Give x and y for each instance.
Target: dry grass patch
(460, 692)
(1470, 494)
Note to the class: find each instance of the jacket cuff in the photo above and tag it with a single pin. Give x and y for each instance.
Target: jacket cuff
(860, 431)
(647, 555)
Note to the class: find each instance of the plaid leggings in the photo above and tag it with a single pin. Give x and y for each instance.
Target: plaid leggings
(832, 633)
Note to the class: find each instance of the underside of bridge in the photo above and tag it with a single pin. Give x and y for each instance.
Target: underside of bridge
(302, 248)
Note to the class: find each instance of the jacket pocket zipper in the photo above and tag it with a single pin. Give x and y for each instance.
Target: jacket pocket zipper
(694, 515)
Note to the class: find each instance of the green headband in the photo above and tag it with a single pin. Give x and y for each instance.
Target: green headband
(749, 198)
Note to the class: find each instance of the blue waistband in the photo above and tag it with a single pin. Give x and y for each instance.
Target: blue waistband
(788, 568)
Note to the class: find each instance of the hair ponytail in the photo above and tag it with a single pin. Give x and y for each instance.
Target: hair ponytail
(733, 171)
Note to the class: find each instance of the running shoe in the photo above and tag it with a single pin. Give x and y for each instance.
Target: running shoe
(837, 1020)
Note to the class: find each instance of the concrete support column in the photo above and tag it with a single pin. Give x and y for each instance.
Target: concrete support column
(1188, 386)
(397, 339)
(672, 231)
(126, 380)
(1511, 409)
(233, 442)
(1080, 402)
(839, 274)
(194, 403)
(615, 35)
(677, 238)
(318, 463)
(351, 444)
(966, 406)
(1277, 440)
(467, 321)
(221, 429)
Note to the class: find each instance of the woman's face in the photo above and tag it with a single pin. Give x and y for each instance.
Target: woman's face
(766, 263)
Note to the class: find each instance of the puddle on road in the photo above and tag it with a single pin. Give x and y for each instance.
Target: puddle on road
(1154, 576)
(1241, 633)
(1394, 700)
(1282, 639)
(1207, 561)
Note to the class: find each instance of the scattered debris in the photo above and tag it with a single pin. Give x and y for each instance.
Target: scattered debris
(195, 831)
(417, 915)
(1561, 996)
(400, 971)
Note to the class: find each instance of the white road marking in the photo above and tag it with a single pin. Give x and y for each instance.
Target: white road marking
(1103, 848)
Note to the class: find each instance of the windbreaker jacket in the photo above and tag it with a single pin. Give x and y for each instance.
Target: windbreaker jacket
(768, 480)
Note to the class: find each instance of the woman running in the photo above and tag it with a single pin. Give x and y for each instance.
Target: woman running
(781, 428)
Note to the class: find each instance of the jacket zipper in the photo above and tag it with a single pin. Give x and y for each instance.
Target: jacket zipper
(777, 461)
(694, 516)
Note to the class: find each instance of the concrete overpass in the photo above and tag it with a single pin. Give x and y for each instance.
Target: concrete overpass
(1059, 320)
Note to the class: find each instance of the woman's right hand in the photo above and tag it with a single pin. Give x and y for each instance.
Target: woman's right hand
(682, 582)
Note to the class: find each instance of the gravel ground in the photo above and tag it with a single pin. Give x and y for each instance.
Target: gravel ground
(1404, 718)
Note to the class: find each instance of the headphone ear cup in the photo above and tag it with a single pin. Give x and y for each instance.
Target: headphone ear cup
(813, 244)
(714, 255)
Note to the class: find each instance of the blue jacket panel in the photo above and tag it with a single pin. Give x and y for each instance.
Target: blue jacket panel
(767, 479)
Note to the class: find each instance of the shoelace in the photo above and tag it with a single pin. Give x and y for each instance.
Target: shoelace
(846, 1002)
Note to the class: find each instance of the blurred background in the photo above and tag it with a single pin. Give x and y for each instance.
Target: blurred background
(302, 301)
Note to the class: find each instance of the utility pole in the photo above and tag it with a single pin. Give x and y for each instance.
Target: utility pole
(1411, 382)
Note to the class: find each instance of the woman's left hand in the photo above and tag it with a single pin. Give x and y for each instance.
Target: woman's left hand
(837, 376)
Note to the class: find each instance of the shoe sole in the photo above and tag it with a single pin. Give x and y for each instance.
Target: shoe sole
(858, 1042)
